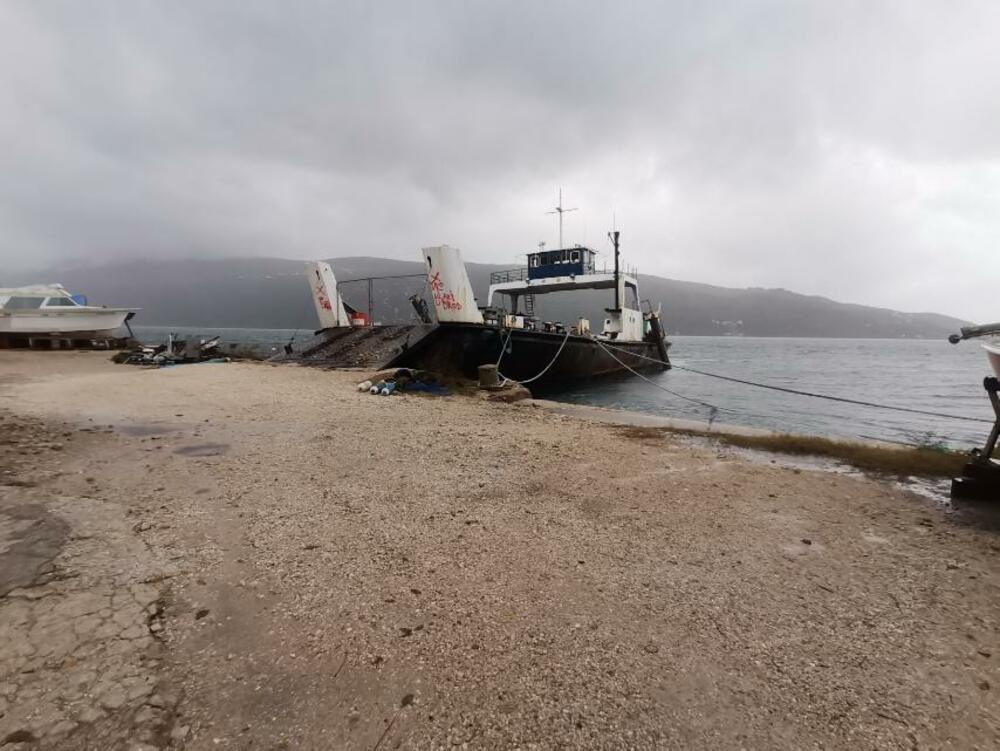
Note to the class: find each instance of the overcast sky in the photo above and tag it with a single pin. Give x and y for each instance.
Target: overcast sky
(849, 149)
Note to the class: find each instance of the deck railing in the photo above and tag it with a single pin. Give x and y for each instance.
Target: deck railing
(521, 274)
(511, 275)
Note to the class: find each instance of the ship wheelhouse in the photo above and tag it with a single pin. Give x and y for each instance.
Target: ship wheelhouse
(546, 264)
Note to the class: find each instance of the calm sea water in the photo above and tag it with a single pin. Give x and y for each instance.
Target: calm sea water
(922, 374)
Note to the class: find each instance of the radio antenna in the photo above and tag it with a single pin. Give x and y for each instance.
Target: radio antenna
(560, 211)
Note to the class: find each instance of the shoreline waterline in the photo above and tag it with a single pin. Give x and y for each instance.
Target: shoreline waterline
(883, 458)
(918, 373)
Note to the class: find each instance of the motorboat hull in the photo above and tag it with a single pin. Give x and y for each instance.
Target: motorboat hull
(993, 353)
(74, 323)
(460, 348)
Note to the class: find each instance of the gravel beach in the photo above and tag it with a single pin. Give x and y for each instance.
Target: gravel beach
(257, 556)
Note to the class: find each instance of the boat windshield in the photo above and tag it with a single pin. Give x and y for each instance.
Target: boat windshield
(60, 302)
(23, 303)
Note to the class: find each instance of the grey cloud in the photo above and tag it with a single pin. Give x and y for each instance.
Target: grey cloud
(843, 149)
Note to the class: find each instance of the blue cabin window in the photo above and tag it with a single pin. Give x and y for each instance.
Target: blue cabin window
(567, 262)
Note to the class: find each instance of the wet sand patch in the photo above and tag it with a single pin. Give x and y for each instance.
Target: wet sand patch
(203, 449)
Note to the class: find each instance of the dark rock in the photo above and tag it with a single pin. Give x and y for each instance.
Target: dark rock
(509, 394)
(203, 449)
(18, 736)
(201, 614)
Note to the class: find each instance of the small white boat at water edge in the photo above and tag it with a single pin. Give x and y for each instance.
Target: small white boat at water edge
(993, 353)
(51, 311)
(992, 347)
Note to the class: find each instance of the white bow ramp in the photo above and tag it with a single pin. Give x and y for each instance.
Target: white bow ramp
(454, 300)
(329, 307)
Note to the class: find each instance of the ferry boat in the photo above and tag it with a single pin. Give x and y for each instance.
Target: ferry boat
(50, 312)
(524, 348)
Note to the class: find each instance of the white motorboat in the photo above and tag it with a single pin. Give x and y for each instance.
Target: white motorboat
(992, 347)
(981, 474)
(993, 353)
(51, 312)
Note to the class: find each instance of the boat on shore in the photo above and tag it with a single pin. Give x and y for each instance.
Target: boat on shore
(993, 353)
(50, 314)
(504, 333)
(992, 346)
(524, 348)
(981, 474)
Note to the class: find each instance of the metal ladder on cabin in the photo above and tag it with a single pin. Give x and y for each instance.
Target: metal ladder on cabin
(529, 306)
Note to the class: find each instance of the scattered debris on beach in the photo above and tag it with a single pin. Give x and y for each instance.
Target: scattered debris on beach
(398, 380)
(173, 352)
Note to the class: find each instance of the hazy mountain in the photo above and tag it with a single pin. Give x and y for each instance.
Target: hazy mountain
(273, 293)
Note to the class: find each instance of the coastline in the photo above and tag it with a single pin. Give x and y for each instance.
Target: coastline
(308, 565)
(627, 417)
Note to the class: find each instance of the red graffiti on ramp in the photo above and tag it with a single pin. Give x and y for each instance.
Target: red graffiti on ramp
(443, 299)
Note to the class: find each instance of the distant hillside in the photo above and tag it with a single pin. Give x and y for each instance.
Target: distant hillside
(273, 293)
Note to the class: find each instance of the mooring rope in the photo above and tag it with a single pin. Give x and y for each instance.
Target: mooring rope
(503, 347)
(813, 394)
(544, 370)
(713, 410)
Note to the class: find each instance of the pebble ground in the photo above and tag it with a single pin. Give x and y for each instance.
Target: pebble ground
(251, 556)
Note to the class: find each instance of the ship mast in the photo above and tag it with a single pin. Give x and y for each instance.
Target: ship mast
(613, 236)
(560, 211)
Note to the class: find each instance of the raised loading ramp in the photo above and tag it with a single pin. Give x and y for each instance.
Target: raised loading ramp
(361, 347)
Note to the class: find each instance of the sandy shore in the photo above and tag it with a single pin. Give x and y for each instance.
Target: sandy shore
(258, 557)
